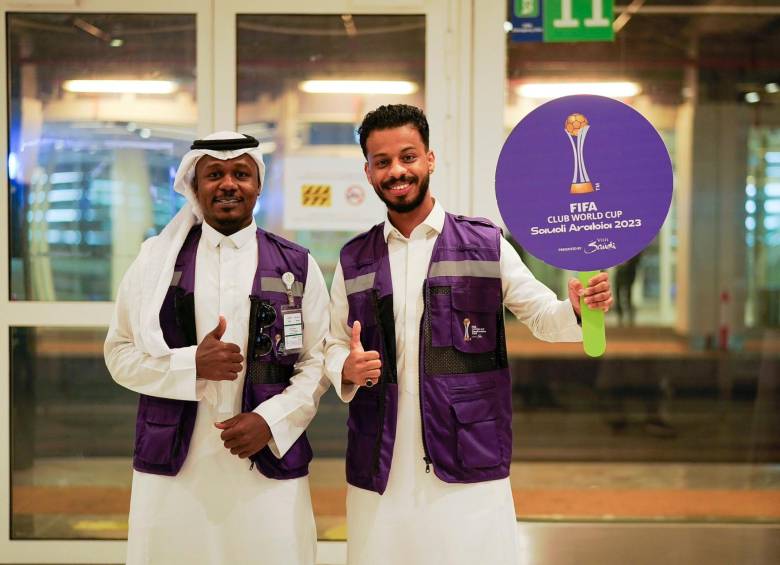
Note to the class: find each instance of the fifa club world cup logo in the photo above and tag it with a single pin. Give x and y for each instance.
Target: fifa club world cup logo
(576, 128)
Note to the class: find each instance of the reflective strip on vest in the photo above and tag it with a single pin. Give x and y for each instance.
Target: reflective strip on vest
(487, 269)
(361, 283)
(274, 284)
(176, 278)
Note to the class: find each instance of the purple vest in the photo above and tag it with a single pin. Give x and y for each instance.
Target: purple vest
(465, 386)
(164, 426)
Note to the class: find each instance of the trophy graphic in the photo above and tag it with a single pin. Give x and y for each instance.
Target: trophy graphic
(576, 128)
(466, 323)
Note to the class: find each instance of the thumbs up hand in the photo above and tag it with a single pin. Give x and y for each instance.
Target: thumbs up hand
(361, 367)
(216, 360)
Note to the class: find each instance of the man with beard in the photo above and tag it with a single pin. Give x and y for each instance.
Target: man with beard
(417, 348)
(219, 325)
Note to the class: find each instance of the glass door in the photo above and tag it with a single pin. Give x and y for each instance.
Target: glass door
(103, 98)
(303, 79)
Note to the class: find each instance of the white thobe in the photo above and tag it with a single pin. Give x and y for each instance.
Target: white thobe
(216, 510)
(420, 519)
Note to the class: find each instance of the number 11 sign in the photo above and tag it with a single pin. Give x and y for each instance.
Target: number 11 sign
(577, 20)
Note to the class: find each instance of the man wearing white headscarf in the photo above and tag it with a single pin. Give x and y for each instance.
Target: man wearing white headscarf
(219, 327)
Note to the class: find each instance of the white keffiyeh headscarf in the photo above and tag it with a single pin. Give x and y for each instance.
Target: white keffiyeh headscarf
(158, 256)
(186, 173)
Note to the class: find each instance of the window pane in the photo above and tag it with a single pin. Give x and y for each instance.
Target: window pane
(72, 437)
(679, 420)
(101, 108)
(276, 54)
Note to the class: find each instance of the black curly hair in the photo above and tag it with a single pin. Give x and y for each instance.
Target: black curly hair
(393, 116)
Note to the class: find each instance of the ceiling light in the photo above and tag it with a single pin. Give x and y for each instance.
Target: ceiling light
(358, 86)
(121, 86)
(557, 89)
(13, 165)
(752, 97)
(116, 42)
(772, 87)
(508, 27)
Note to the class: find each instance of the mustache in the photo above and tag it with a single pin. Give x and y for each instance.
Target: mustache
(393, 180)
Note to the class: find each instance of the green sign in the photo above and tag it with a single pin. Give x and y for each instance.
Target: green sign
(577, 20)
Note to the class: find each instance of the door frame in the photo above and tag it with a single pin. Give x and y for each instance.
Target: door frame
(448, 100)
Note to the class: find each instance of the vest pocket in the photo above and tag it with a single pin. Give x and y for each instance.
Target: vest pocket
(160, 436)
(363, 309)
(477, 433)
(363, 428)
(439, 302)
(474, 317)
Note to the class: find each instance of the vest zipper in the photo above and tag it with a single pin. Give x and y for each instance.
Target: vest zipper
(421, 371)
(254, 304)
(382, 387)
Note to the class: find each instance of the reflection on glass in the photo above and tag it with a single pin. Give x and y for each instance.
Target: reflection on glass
(102, 106)
(679, 420)
(313, 125)
(72, 437)
(762, 226)
(304, 84)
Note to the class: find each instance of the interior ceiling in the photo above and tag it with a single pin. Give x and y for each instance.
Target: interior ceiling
(731, 51)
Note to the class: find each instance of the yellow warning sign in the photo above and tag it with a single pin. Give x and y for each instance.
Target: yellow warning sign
(316, 195)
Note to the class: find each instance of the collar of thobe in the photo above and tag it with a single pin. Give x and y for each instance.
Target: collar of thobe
(237, 240)
(433, 221)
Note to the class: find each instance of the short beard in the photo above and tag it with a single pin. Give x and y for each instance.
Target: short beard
(406, 207)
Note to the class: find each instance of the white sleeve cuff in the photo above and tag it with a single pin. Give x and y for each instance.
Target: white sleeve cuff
(334, 363)
(182, 374)
(348, 392)
(567, 328)
(274, 448)
(282, 433)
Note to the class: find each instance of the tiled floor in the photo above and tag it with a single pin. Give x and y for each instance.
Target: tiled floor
(75, 498)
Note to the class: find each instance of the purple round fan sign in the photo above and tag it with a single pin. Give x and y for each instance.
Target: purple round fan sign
(584, 182)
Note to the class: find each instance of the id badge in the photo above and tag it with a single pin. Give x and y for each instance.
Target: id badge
(293, 329)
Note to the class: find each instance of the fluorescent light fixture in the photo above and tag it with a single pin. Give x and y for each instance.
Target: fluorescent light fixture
(772, 157)
(121, 86)
(772, 87)
(752, 97)
(66, 177)
(13, 165)
(358, 86)
(557, 89)
(772, 190)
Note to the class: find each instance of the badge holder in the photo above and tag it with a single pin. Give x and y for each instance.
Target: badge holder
(292, 320)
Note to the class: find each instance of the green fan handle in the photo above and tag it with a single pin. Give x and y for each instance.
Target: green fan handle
(593, 339)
